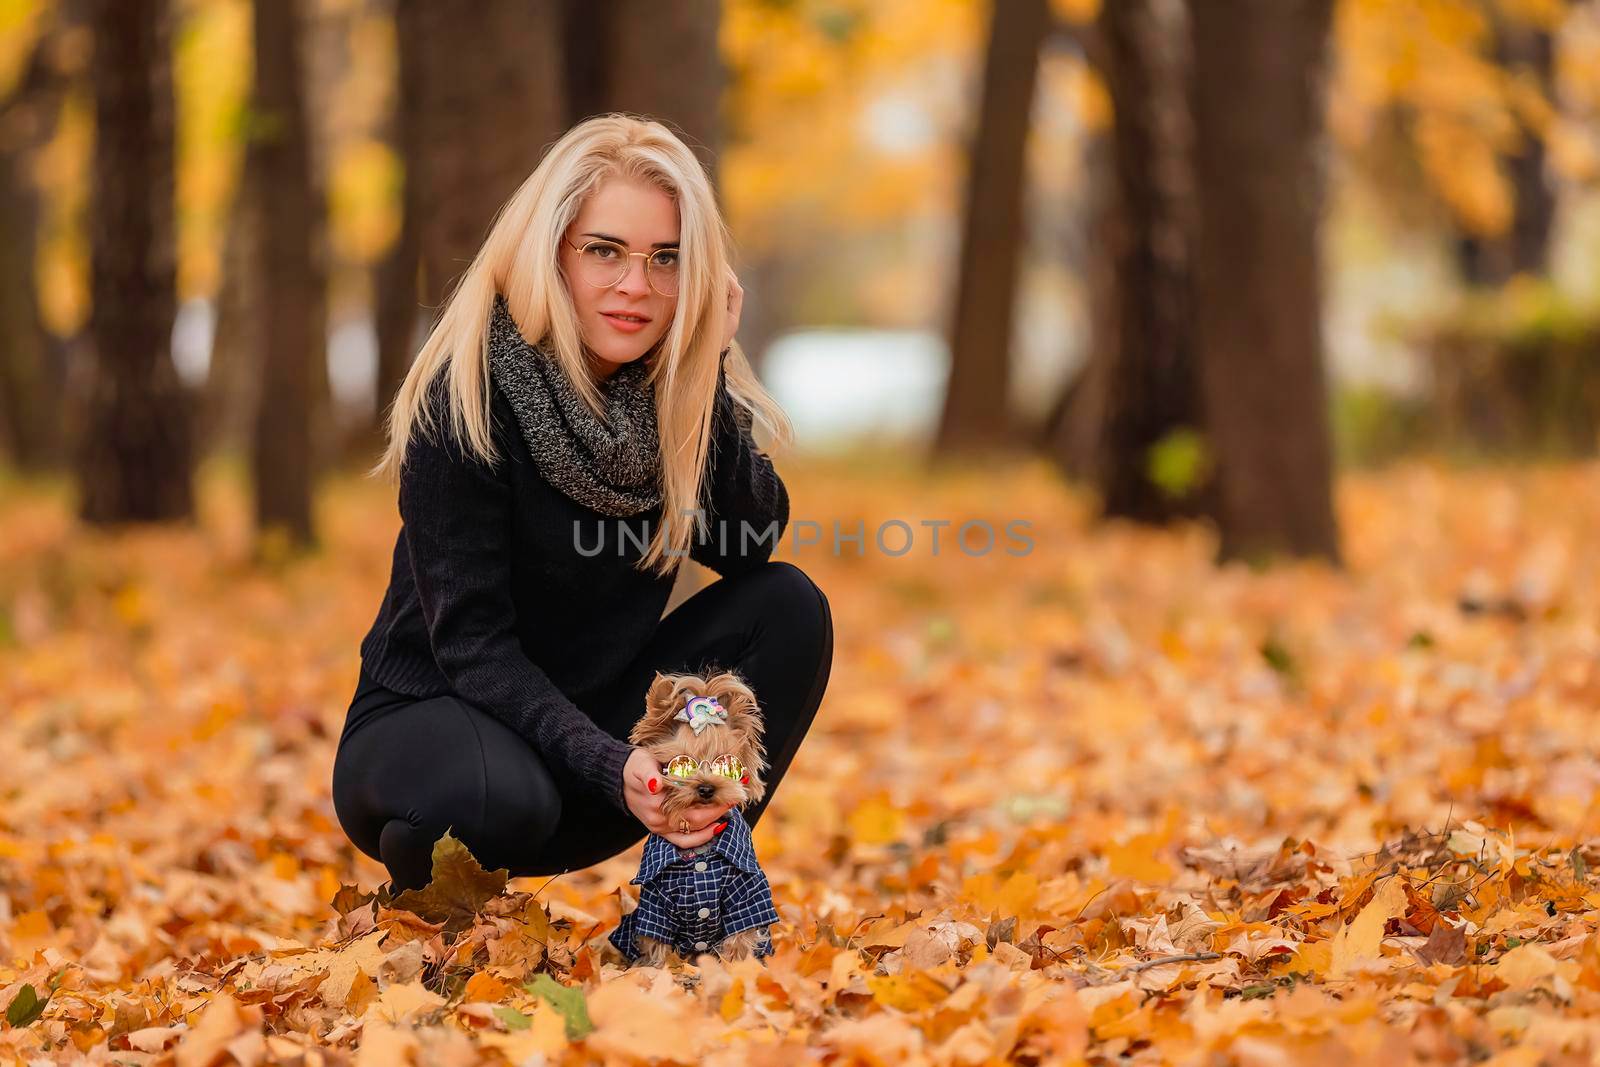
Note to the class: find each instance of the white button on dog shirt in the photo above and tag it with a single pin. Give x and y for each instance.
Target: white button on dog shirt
(700, 866)
(701, 945)
(704, 912)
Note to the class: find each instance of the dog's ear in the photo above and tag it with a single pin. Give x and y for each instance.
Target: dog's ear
(661, 704)
(745, 720)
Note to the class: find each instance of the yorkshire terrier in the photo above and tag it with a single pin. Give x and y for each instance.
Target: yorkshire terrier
(705, 733)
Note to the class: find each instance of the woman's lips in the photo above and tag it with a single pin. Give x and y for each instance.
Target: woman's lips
(624, 325)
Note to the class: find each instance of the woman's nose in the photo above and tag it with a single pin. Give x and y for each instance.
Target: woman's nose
(628, 284)
(707, 791)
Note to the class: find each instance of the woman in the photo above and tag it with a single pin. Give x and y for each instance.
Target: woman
(578, 400)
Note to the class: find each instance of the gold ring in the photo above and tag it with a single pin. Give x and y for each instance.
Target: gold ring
(683, 826)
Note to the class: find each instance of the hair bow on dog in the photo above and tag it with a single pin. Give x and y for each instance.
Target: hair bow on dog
(700, 712)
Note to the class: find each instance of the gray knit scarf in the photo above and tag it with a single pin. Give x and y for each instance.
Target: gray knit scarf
(613, 466)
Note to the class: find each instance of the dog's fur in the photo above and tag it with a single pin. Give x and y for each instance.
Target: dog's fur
(664, 736)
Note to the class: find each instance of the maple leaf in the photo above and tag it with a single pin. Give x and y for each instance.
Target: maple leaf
(459, 887)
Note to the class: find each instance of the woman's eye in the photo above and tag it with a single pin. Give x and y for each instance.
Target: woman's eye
(666, 259)
(603, 251)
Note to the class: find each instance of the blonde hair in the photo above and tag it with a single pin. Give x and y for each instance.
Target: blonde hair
(519, 260)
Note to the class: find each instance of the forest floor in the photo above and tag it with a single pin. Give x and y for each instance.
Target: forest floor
(1100, 801)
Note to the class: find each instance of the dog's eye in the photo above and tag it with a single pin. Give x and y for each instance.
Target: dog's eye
(682, 767)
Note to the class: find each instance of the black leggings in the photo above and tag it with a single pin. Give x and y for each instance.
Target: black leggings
(407, 768)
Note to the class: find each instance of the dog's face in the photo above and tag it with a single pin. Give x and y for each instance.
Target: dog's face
(666, 736)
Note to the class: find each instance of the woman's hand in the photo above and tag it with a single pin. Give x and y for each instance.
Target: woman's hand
(735, 306)
(637, 774)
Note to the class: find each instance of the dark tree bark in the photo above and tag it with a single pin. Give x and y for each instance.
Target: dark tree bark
(489, 85)
(586, 54)
(1257, 91)
(976, 407)
(32, 359)
(1139, 384)
(136, 458)
(399, 294)
(292, 276)
(664, 64)
(233, 378)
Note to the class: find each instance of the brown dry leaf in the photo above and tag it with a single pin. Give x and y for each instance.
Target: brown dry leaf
(459, 887)
(1446, 944)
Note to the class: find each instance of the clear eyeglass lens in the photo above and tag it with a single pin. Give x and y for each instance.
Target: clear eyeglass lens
(605, 263)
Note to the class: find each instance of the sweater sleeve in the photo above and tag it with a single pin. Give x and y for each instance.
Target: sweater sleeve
(748, 502)
(456, 515)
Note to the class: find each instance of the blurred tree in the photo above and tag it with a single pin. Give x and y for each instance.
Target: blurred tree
(649, 58)
(400, 294)
(1257, 95)
(1461, 116)
(137, 453)
(976, 411)
(1527, 51)
(32, 359)
(233, 377)
(488, 79)
(291, 274)
(1137, 395)
(462, 66)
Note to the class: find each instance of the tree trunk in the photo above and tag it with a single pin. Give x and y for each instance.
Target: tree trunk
(1139, 386)
(664, 64)
(976, 407)
(398, 294)
(136, 458)
(292, 276)
(489, 102)
(1257, 81)
(233, 377)
(33, 361)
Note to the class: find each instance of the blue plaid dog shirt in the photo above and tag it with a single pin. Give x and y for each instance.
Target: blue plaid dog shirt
(692, 900)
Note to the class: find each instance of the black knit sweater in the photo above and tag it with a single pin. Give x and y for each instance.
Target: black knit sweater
(490, 599)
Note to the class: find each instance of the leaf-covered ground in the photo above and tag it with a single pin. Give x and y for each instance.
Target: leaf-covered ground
(1101, 802)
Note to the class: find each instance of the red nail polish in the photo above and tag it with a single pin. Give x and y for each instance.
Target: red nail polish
(721, 826)
(652, 785)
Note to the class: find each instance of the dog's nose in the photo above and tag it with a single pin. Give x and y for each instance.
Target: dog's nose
(707, 791)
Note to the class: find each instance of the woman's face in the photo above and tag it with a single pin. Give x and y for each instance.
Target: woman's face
(644, 219)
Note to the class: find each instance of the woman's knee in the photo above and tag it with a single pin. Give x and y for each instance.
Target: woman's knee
(789, 595)
(522, 801)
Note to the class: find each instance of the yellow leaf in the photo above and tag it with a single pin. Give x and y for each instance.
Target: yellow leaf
(1136, 859)
(1528, 965)
(877, 822)
(732, 1001)
(630, 1022)
(402, 1002)
(907, 991)
(1361, 938)
(547, 1035)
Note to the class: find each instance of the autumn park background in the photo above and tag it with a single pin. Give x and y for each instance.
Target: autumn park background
(1276, 321)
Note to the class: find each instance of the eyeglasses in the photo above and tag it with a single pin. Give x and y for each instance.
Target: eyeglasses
(728, 765)
(604, 263)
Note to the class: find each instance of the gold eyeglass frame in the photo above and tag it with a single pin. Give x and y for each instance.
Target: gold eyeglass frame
(705, 766)
(625, 262)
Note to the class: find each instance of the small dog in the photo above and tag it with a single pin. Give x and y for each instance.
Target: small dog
(705, 732)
